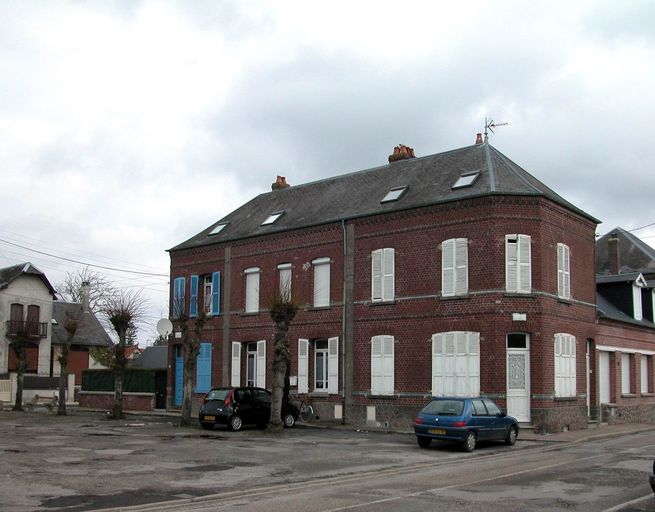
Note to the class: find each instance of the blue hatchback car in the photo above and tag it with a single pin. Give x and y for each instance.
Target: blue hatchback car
(466, 420)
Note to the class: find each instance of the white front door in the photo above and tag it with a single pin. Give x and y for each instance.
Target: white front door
(518, 376)
(604, 377)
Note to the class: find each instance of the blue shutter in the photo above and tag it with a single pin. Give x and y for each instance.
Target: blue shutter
(179, 375)
(204, 368)
(178, 297)
(193, 299)
(216, 293)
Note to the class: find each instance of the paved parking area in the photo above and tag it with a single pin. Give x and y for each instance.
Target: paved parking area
(84, 461)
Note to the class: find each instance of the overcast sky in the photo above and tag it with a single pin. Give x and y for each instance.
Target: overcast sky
(127, 127)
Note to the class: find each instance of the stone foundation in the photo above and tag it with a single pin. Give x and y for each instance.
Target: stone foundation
(614, 415)
(105, 400)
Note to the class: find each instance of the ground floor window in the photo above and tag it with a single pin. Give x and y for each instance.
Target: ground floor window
(382, 365)
(625, 374)
(565, 367)
(324, 372)
(456, 363)
(645, 381)
(255, 364)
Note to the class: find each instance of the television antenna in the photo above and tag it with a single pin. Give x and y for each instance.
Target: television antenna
(489, 125)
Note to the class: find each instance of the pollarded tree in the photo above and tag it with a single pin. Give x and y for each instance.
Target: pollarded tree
(71, 322)
(190, 349)
(123, 310)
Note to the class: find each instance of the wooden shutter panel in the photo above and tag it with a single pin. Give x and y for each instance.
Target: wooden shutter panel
(448, 268)
(303, 365)
(387, 365)
(193, 297)
(388, 262)
(567, 272)
(473, 369)
(572, 367)
(376, 275)
(204, 368)
(178, 297)
(524, 262)
(322, 284)
(261, 364)
(236, 365)
(461, 266)
(437, 364)
(511, 263)
(333, 365)
(216, 293)
(376, 365)
(252, 292)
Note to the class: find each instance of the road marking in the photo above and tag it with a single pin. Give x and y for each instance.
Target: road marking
(627, 503)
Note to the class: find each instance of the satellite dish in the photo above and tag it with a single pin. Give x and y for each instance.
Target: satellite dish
(164, 327)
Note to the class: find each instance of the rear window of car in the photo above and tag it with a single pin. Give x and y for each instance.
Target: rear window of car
(445, 407)
(217, 394)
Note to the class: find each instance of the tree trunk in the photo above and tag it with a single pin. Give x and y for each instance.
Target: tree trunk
(281, 356)
(63, 380)
(117, 413)
(187, 401)
(21, 354)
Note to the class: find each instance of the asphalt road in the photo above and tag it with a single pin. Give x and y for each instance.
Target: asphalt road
(86, 462)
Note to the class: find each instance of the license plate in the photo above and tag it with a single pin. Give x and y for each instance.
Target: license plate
(210, 418)
(437, 431)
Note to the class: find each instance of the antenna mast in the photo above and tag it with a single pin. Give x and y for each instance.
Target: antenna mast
(489, 125)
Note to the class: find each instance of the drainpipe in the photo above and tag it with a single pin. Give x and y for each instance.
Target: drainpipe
(343, 327)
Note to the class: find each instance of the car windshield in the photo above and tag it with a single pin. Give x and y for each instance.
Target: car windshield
(217, 394)
(444, 407)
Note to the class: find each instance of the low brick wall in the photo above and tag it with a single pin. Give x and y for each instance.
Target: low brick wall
(559, 419)
(105, 400)
(614, 415)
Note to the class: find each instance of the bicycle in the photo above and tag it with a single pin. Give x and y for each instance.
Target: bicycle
(305, 411)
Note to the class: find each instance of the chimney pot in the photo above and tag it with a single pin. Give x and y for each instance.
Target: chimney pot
(478, 138)
(279, 183)
(85, 296)
(401, 152)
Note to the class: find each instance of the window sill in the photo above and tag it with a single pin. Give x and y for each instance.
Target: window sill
(564, 300)
(519, 294)
(383, 303)
(566, 398)
(628, 395)
(319, 394)
(250, 313)
(648, 394)
(455, 297)
(318, 308)
(382, 397)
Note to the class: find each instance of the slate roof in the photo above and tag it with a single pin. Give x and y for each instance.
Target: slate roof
(429, 179)
(10, 274)
(89, 332)
(618, 278)
(634, 254)
(152, 358)
(607, 310)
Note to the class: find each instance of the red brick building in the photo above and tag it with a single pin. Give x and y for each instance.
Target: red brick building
(451, 274)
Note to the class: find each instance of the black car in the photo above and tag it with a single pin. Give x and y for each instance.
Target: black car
(651, 478)
(236, 407)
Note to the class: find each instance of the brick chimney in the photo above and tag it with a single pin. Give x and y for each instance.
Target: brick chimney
(280, 182)
(85, 296)
(613, 254)
(401, 152)
(478, 138)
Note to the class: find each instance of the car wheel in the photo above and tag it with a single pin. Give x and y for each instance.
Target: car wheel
(469, 442)
(423, 442)
(235, 423)
(512, 434)
(207, 426)
(289, 420)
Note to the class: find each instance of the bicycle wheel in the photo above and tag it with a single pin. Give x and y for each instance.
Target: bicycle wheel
(306, 412)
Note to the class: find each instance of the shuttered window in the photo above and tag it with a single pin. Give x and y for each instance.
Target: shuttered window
(518, 272)
(321, 282)
(382, 275)
(261, 364)
(178, 297)
(643, 362)
(563, 271)
(235, 377)
(204, 368)
(565, 365)
(454, 267)
(193, 296)
(303, 365)
(333, 365)
(625, 374)
(284, 274)
(252, 290)
(456, 364)
(382, 365)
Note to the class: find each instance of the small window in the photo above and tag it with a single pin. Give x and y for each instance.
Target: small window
(217, 229)
(272, 218)
(466, 180)
(394, 194)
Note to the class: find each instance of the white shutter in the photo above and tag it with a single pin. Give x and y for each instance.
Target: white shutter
(473, 363)
(643, 362)
(303, 365)
(437, 364)
(333, 365)
(321, 282)
(376, 365)
(387, 365)
(511, 263)
(625, 373)
(460, 376)
(563, 272)
(261, 364)
(449, 364)
(376, 275)
(524, 263)
(252, 290)
(636, 301)
(448, 267)
(461, 266)
(573, 391)
(236, 365)
(558, 364)
(388, 274)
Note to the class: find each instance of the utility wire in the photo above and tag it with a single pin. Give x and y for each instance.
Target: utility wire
(642, 227)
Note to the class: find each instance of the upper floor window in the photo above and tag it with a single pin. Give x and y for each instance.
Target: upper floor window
(454, 267)
(565, 365)
(563, 271)
(284, 276)
(211, 293)
(321, 282)
(252, 289)
(178, 297)
(382, 275)
(518, 272)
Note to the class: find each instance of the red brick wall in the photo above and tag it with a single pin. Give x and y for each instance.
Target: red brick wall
(105, 400)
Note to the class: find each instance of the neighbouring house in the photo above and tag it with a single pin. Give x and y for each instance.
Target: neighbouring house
(155, 358)
(28, 303)
(457, 273)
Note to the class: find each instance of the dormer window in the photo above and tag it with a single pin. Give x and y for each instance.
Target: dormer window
(394, 194)
(466, 180)
(272, 218)
(217, 229)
